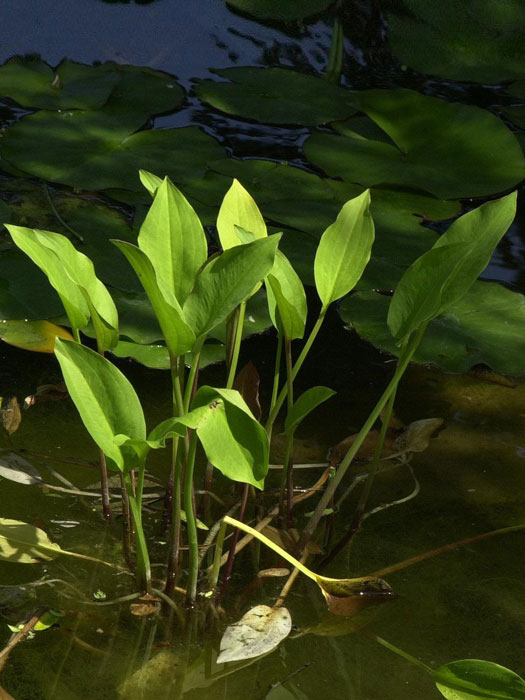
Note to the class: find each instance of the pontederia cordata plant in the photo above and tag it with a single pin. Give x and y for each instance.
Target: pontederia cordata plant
(191, 293)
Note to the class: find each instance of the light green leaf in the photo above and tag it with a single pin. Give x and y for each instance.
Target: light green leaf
(234, 442)
(105, 399)
(226, 281)
(150, 181)
(173, 239)
(239, 209)
(344, 250)
(305, 404)
(286, 294)
(177, 333)
(37, 336)
(25, 544)
(440, 277)
(472, 679)
(72, 274)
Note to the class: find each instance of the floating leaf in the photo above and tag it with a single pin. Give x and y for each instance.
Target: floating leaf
(16, 468)
(37, 336)
(417, 435)
(451, 150)
(32, 83)
(274, 572)
(276, 96)
(258, 632)
(25, 544)
(472, 679)
(290, 11)
(11, 416)
(484, 327)
(433, 38)
(93, 151)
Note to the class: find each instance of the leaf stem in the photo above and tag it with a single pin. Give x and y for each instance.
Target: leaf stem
(298, 364)
(239, 324)
(191, 525)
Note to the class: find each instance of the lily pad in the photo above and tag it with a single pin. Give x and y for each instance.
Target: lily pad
(258, 632)
(476, 40)
(33, 83)
(485, 326)
(276, 96)
(289, 11)
(91, 150)
(157, 356)
(449, 149)
(25, 293)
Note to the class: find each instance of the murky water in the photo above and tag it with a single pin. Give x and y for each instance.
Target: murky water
(465, 603)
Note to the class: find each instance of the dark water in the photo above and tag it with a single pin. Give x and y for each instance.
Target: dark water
(467, 603)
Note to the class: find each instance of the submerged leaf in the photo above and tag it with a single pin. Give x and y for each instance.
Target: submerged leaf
(16, 468)
(416, 437)
(349, 596)
(473, 679)
(11, 416)
(258, 632)
(25, 544)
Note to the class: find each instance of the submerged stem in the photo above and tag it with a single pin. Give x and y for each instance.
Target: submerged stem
(191, 524)
(404, 360)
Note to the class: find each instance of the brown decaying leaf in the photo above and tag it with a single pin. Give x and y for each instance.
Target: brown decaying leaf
(398, 440)
(273, 573)
(11, 416)
(247, 384)
(349, 597)
(4, 695)
(47, 392)
(146, 605)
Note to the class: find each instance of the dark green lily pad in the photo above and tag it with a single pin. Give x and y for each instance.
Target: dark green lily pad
(516, 114)
(279, 11)
(157, 356)
(25, 293)
(475, 40)
(276, 96)
(448, 149)
(34, 84)
(485, 326)
(129, 94)
(90, 150)
(137, 321)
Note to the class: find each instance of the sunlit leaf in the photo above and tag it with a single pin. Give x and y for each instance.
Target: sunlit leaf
(173, 239)
(258, 632)
(238, 209)
(344, 250)
(25, 544)
(104, 397)
(286, 295)
(226, 281)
